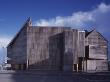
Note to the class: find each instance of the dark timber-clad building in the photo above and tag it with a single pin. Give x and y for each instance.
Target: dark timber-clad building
(57, 48)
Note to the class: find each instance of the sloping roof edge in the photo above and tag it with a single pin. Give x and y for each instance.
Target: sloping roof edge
(24, 26)
(98, 33)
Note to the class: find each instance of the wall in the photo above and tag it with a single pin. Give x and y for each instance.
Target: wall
(70, 50)
(17, 49)
(96, 51)
(41, 47)
(96, 65)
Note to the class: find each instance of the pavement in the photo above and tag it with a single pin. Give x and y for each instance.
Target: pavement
(53, 76)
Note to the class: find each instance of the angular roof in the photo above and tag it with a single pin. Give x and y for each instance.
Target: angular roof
(27, 23)
(88, 33)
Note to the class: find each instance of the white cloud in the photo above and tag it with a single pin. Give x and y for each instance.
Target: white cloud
(76, 20)
(4, 40)
(98, 17)
(103, 7)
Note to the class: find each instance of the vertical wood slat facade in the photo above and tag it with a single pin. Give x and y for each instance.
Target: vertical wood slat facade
(57, 48)
(97, 51)
(43, 49)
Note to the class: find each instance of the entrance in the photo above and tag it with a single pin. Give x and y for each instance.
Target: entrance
(76, 67)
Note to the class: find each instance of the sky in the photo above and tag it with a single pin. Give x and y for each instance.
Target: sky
(78, 14)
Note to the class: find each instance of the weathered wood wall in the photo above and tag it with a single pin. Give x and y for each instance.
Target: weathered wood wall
(74, 47)
(56, 51)
(38, 47)
(81, 44)
(97, 46)
(96, 65)
(17, 49)
(68, 50)
(48, 48)
(57, 48)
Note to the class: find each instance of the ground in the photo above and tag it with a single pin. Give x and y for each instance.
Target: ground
(44, 76)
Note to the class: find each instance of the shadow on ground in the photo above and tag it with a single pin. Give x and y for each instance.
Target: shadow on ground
(53, 76)
(46, 76)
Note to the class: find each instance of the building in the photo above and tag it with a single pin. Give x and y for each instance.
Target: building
(57, 48)
(96, 54)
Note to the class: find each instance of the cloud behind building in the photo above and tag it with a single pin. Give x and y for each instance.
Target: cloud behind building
(98, 18)
(4, 40)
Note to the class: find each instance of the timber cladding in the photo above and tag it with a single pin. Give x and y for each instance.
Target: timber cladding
(57, 48)
(45, 47)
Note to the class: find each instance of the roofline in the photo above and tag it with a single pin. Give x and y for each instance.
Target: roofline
(99, 33)
(15, 37)
(103, 37)
(52, 26)
(29, 19)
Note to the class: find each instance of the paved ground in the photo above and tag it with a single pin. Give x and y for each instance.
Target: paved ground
(38, 76)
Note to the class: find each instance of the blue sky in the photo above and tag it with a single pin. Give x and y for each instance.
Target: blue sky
(81, 14)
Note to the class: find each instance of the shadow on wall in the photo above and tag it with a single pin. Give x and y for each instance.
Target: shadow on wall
(43, 76)
(55, 59)
(56, 50)
(68, 60)
(50, 69)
